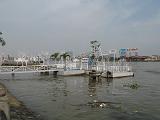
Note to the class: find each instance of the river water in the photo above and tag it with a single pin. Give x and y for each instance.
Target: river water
(78, 98)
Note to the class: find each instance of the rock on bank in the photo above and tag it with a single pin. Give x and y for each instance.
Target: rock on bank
(12, 109)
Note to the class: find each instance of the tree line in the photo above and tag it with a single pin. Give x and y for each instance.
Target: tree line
(2, 41)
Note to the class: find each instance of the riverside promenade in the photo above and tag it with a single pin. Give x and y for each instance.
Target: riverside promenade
(13, 109)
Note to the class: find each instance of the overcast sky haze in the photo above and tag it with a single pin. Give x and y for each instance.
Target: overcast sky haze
(35, 26)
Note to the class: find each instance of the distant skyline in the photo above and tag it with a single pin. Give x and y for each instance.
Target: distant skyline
(38, 26)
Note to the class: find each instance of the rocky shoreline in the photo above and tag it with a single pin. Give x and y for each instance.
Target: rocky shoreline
(18, 111)
(23, 113)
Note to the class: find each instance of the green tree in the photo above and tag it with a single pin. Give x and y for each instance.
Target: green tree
(3, 43)
(64, 56)
(55, 57)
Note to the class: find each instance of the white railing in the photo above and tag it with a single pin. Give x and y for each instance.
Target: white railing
(114, 68)
(29, 68)
(109, 67)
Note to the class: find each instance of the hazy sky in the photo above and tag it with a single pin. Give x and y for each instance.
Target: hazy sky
(35, 26)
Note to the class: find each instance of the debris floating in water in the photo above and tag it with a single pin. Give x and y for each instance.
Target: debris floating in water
(133, 86)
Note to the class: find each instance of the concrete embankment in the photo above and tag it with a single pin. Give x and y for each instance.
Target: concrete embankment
(13, 109)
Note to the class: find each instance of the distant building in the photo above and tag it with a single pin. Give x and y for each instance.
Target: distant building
(153, 58)
(137, 58)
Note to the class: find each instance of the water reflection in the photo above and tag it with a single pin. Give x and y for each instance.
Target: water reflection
(93, 84)
(109, 81)
(58, 87)
(92, 87)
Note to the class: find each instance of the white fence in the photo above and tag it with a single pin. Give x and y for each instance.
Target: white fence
(114, 68)
(25, 69)
(108, 67)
